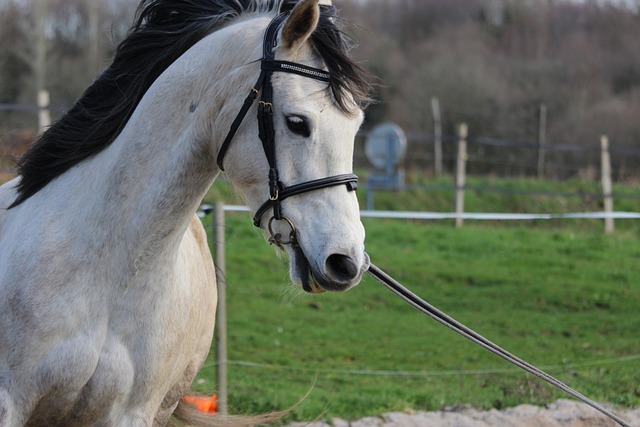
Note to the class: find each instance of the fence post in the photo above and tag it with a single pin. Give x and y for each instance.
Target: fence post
(94, 36)
(40, 9)
(461, 172)
(437, 136)
(542, 139)
(607, 187)
(221, 315)
(44, 114)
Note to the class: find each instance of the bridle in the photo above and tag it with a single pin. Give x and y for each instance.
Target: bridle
(266, 132)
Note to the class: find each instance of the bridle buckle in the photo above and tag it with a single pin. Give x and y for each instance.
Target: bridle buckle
(264, 104)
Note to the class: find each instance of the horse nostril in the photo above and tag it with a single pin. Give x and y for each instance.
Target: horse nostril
(341, 268)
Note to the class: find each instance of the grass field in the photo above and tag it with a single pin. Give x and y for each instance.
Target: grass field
(564, 298)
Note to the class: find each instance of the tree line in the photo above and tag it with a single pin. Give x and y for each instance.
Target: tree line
(491, 63)
(494, 63)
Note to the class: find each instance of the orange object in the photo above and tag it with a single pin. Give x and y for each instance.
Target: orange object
(206, 404)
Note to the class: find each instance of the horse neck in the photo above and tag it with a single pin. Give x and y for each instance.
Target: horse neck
(161, 165)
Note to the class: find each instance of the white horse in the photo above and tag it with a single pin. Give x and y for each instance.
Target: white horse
(107, 288)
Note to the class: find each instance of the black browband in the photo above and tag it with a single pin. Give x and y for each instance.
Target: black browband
(277, 190)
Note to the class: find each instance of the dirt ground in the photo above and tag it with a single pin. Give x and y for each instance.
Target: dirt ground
(562, 413)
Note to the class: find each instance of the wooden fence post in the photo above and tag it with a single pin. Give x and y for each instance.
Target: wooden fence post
(44, 113)
(461, 166)
(607, 186)
(94, 36)
(437, 137)
(40, 9)
(542, 139)
(221, 315)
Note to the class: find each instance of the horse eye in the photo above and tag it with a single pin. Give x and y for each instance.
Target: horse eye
(299, 126)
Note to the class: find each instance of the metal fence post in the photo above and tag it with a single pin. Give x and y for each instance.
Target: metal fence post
(221, 315)
(461, 168)
(607, 187)
(437, 137)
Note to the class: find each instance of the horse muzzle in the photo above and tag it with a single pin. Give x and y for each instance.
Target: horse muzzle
(338, 272)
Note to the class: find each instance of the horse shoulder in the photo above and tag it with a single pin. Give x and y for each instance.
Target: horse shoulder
(199, 275)
(196, 271)
(202, 282)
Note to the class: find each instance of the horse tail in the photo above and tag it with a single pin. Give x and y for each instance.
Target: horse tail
(189, 415)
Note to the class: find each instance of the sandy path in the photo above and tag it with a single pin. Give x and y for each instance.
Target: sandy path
(562, 413)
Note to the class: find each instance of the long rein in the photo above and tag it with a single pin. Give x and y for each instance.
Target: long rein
(446, 320)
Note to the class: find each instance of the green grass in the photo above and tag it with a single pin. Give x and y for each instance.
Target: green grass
(567, 299)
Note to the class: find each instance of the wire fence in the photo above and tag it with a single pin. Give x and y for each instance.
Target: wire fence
(430, 373)
(513, 157)
(487, 155)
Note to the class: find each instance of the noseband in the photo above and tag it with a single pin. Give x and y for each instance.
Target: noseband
(266, 131)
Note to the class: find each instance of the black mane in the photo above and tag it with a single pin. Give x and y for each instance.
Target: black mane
(163, 30)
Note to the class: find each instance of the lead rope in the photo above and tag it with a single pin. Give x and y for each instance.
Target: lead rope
(444, 319)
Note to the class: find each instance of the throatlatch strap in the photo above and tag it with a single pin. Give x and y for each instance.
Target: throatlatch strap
(248, 102)
(269, 43)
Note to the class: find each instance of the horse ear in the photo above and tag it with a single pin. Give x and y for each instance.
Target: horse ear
(300, 24)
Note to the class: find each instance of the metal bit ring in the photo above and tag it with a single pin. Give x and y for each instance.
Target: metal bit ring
(276, 238)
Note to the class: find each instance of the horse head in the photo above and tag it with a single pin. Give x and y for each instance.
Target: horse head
(314, 108)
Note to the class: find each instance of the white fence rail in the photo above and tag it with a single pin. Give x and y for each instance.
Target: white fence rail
(480, 216)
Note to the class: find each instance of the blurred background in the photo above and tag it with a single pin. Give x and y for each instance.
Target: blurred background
(523, 74)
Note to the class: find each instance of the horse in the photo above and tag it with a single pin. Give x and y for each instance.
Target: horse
(107, 286)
